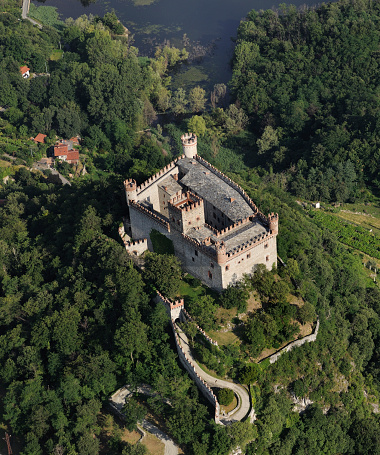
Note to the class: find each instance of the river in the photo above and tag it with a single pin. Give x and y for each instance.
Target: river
(212, 23)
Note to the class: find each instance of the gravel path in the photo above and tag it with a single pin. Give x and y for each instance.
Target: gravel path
(117, 401)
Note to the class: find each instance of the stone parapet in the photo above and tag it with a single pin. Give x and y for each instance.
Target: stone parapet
(151, 180)
(200, 246)
(156, 217)
(200, 330)
(248, 245)
(202, 385)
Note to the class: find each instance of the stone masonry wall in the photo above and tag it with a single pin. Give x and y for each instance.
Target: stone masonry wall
(245, 262)
(203, 387)
(142, 225)
(199, 264)
(149, 189)
(308, 339)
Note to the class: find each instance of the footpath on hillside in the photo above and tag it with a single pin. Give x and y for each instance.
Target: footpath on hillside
(244, 402)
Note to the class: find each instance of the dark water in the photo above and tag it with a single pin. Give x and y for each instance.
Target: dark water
(212, 23)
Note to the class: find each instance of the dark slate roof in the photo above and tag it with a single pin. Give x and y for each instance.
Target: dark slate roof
(170, 185)
(210, 187)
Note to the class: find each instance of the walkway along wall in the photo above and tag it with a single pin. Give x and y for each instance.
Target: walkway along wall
(175, 309)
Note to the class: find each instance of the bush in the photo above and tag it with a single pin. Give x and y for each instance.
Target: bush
(225, 396)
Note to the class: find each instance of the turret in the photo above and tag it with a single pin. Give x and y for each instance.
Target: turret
(273, 222)
(130, 190)
(189, 144)
(221, 257)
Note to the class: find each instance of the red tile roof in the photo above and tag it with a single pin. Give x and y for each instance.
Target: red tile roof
(60, 150)
(40, 138)
(72, 155)
(75, 140)
(24, 69)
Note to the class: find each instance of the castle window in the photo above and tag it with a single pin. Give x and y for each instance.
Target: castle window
(163, 202)
(193, 259)
(198, 218)
(266, 245)
(178, 222)
(214, 215)
(267, 258)
(189, 222)
(248, 255)
(196, 253)
(227, 268)
(210, 275)
(212, 265)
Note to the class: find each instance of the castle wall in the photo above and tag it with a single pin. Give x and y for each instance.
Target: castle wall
(193, 218)
(197, 262)
(189, 367)
(142, 224)
(149, 189)
(214, 217)
(245, 262)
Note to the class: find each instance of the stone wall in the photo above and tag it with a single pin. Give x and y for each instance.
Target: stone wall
(142, 223)
(201, 384)
(309, 339)
(200, 330)
(245, 260)
(136, 247)
(198, 261)
(149, 189)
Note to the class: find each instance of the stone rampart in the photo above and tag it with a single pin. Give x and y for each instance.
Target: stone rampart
(156, 217)
(154, 178)
(201, 384)
(200, 330)
(199, 246)
(174, 309)
(308, 339)
(248, 245)
(136, 247)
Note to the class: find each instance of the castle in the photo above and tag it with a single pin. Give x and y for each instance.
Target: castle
(217, 231)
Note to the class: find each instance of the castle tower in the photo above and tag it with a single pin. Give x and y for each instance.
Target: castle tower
(221, 257)
(273, 222)
(189, 144)
(186, 212)
(130, 190)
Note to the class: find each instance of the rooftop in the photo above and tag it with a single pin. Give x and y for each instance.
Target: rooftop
(170, 185)
(213, 189)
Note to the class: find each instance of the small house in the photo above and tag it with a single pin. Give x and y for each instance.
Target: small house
(40, 138)
(25, 72)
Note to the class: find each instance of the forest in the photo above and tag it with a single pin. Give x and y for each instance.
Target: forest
(77, 319)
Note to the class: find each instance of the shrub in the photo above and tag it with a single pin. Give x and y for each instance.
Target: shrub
(225, 396)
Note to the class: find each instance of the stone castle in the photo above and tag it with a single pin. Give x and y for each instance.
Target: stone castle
(217, 231)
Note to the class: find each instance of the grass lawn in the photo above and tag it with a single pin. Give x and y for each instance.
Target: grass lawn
(224, 338)
(153, 444)
(230, 407)
(56, 54)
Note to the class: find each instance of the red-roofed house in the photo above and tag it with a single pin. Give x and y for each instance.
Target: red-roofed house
(25, 72)
(62, 152)
(40, 138)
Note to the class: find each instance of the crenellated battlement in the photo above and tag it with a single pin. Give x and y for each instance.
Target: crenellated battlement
(129, 185)
(159, 174)
(158, 218)
(248, 245)
(200, 246)
(185, 202)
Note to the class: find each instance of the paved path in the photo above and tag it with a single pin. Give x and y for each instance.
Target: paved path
(25, 11)
(244, 403)
(118, 400)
